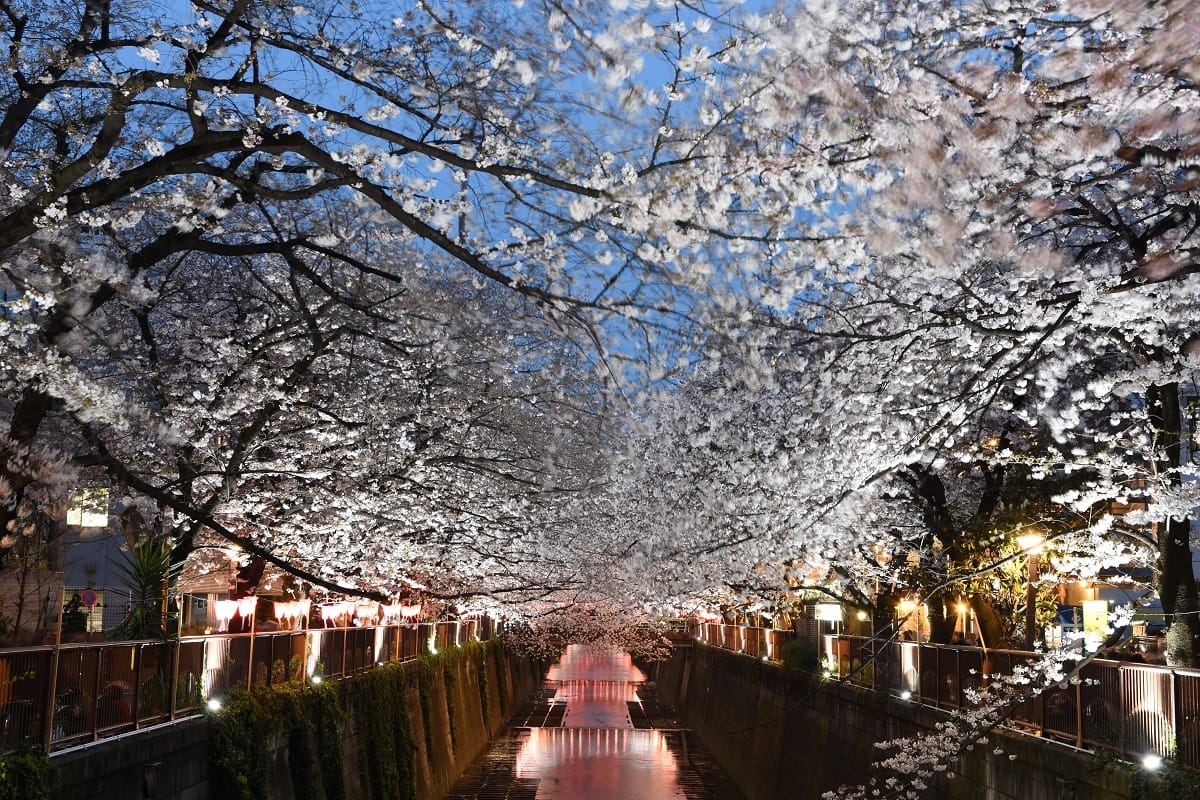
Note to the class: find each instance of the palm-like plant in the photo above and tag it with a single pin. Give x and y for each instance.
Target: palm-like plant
(145, 568)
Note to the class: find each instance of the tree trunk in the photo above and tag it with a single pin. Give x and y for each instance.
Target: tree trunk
(27, 417)
(991, 625)
(941, 624)
(1176, 579)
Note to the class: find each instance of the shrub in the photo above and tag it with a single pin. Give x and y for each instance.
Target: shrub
(26, 775)
(800, 655)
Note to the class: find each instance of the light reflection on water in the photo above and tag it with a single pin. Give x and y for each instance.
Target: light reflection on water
(598, 764)
(597, 755)
(584, 663)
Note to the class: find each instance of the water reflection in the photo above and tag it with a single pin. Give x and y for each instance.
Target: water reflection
(597, 755)
(598, 764)
(585, 663)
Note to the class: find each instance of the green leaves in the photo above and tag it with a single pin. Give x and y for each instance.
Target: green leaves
(146, 570)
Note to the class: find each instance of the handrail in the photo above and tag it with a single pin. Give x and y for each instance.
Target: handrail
(1129, 708)
(104, 688)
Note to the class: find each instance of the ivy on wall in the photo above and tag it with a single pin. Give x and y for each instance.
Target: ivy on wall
(481, 677)
(425, 676)
(241, 736)
(313, 720)
(26, 775)
(378, 701)
(497, 650)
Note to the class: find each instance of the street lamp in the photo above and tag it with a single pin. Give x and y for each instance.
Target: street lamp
(1031, 543)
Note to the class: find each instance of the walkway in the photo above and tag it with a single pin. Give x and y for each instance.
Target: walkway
(596, 731)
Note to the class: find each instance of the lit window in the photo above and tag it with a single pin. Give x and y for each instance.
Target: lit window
(89, 507)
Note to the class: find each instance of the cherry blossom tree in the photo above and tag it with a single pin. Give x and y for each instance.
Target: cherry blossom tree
(1001, 236)
(204, 208)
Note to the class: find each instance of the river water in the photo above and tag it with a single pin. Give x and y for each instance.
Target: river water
(578, 741)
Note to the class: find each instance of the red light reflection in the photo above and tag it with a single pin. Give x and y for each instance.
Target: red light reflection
(597, 755)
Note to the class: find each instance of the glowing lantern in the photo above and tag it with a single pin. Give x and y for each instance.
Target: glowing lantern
(292, 612)
(336, 614)
(247, 606)
(366, 613)
(224, 610)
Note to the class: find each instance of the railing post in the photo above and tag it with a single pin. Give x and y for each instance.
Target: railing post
(173, 707)
(250, 657)
(96, 691)
(345, 637)
(920, 680)
(1121, 709)
(137, 684)
(1177, 717)
(958, 678)
(52, 697)
(1079, 710)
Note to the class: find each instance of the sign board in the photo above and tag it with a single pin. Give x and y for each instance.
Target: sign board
(88, 597)
(1095, 615)
(829, 612)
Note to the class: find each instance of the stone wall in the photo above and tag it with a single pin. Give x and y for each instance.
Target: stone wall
(116, 768)
(168, 761)
(779, 736)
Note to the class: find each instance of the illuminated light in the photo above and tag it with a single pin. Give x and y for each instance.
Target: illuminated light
(314, 650)
(89, 507)
(433, 642)
(962, 608)
(1152, 761)
(292, 612)
(225, 610)
(365, 613)
(1031, 543)
(336, 614)
(410, 611)
(316, 679)
(247, 606)
(862, 615)
(906, 695)
(213, 705)
(829, 612)
(1095, 616)
(905, 606)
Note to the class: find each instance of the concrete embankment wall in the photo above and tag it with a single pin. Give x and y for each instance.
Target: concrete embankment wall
(286, 754)
(782, 737)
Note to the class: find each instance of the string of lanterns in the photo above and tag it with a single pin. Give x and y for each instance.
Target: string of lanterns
(294, 614)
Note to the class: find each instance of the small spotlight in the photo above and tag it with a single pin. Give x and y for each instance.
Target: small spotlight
(906, 695)
(316, 678)
(1151, 761)
(214, 705)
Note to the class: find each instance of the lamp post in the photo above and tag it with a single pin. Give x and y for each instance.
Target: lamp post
(1031, 543)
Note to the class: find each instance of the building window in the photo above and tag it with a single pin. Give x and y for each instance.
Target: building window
(89, 507)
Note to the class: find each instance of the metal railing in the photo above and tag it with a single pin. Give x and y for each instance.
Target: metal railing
(758, 642)
(1129, 708)
(76, 693)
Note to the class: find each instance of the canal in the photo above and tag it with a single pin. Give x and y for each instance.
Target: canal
(595, 731)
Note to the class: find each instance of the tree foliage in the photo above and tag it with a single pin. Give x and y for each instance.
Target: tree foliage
(537, 303)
